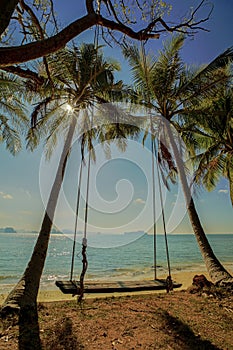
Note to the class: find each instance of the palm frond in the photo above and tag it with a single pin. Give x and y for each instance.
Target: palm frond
(9, 136)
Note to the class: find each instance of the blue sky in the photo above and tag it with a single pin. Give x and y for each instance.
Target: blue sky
(25, 179)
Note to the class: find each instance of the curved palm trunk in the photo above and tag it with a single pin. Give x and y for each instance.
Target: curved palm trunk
(25, 292)
(215, 269)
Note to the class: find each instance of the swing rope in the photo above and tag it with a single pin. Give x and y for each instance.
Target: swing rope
(153, 200)
(76, 220)
(163, 214)
(152, 165)
(84, 241)
(154, 153)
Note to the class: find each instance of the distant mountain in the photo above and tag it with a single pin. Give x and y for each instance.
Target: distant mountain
(7, 230)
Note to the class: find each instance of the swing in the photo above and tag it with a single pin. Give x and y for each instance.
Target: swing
(78, 288)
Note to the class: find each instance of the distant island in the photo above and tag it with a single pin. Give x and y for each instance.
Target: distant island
(12, 230)
(7, 230)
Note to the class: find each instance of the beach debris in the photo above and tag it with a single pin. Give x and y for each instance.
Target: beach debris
(202, 286)
(117, 341)
(6, 338)
(228, 309)
(201, 281)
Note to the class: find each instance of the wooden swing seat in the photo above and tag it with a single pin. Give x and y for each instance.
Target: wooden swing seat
(73, 287)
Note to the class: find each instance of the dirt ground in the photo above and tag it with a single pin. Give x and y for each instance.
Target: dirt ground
(178, 320)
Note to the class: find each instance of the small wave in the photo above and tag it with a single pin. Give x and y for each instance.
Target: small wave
(60, 254)
(8, 277)
(52, 278)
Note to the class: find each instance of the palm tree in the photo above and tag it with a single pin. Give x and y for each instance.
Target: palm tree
(79, 78)
(172, 90)
(214, 138)
(13, 117)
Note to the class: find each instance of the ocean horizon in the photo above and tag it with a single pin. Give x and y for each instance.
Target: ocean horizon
(110, 256)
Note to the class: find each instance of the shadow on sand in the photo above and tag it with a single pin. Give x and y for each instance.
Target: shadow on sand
(29, 332)
(185, 336)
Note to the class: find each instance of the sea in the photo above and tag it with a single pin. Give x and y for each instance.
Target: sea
(110, 256)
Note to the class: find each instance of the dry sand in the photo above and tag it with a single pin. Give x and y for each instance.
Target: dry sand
(178, 320)
(183, 277)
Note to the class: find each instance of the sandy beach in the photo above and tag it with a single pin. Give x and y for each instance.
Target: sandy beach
(154, 320)
(54, 294)
(183, 277)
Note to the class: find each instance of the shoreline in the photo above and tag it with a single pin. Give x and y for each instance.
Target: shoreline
(183, 277)
(54, 294)
(50, 293)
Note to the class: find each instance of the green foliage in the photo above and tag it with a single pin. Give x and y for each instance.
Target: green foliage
(129, 12)
(79, 79)
(32, 20)
(13, 119)
(193, 100)
(215, 137)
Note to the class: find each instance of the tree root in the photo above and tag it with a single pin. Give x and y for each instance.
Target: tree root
(204, 287)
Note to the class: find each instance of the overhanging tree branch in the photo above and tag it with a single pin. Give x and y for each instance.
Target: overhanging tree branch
(45, 46)
(89, 6)
(24, 53)
(25, 73)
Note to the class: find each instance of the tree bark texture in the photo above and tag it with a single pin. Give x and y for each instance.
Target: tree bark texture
(45, 46)
(215, 269)
(27, 52)
(7, 8)
(25, 292)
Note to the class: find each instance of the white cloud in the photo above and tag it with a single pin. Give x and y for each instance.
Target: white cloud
(223, 191)
(139, 201)
(6, 195)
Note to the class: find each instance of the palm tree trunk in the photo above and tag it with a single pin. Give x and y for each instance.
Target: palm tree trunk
(215, 269)
(25, 292)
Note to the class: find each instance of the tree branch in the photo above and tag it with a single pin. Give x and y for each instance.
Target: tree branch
(7, 8)
(40, 31)
(24, 53)
(46, 46)
(90, 6)
(25, 73)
